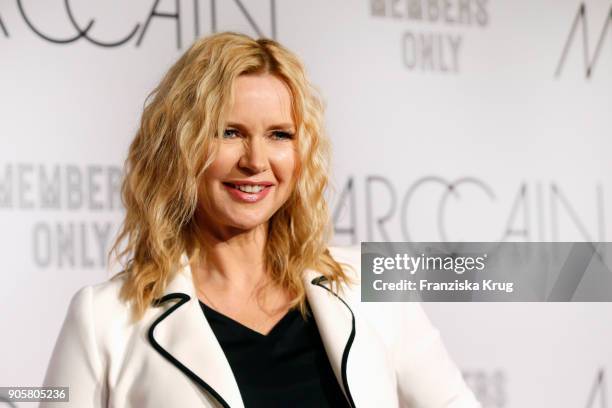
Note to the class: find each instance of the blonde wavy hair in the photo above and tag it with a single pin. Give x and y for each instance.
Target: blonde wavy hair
(176, 143)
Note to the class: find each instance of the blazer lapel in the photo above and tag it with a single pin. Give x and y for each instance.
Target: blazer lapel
(336, 324)
(355, 352)
(182, 335)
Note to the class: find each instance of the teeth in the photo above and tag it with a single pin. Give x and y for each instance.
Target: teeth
(249, 188)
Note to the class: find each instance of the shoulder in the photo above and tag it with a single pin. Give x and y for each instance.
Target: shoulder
(97, 307)
(102, 296)
(97, 323)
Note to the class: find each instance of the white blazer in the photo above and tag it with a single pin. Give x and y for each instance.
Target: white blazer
(384, 355)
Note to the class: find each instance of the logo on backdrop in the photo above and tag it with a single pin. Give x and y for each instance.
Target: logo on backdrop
(155, 17)
(73, 210)
(437, 49)
(490, 389)
(597, 395)
(536, 213)
(575, 35)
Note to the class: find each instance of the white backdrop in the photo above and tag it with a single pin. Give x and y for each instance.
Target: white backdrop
(471, 120)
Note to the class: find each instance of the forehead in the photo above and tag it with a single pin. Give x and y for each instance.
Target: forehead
(260, 97)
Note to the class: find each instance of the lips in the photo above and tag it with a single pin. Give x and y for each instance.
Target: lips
(248, 183)
(248, 192)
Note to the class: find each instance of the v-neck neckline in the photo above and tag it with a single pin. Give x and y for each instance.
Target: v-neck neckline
(283, 321)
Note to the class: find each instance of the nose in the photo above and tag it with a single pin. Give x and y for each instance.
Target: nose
(255, 155)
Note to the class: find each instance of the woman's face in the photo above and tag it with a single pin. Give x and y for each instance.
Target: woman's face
(253, 173)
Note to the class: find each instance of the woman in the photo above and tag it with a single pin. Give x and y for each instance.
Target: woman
(230, 295)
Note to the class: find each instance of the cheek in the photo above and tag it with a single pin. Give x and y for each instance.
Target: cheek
(221, 166)
(285, 161)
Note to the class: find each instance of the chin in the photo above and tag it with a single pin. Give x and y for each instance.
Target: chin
(248, 223)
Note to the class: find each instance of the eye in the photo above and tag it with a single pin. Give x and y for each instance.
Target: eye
(282, 135)
(230, 133)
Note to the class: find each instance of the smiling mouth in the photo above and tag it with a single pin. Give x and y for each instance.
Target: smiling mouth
(248, 188)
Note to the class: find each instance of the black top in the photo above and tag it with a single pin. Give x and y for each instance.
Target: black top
(287, 367)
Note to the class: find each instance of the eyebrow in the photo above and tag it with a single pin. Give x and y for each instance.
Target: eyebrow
(281, 126)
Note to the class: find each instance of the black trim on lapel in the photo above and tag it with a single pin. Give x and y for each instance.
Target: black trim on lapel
(184, 298)
(318, 282)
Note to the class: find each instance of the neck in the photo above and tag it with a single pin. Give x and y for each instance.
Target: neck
(232, 258)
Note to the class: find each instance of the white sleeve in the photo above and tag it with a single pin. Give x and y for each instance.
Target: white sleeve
(75, 362)
(426, 374)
